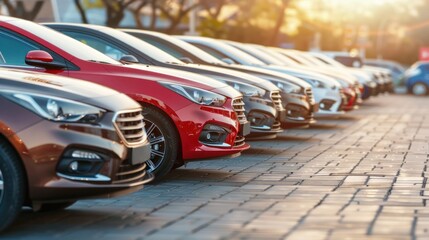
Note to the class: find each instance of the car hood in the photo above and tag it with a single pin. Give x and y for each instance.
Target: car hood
(377, 69)
(343, 77)
(305, 74)
(64, 87)
(230, 75)
(162, 74)
(269, 74)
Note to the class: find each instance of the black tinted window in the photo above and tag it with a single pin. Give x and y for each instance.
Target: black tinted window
(13, 50)
(98, 44)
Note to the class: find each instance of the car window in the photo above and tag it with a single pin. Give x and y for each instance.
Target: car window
(13, 49)
(108, 49)
(210, 51)
(164, 46)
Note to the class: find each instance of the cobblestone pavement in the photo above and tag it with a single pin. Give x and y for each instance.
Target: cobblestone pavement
(362, 176)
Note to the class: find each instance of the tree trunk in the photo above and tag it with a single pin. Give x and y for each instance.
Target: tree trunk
(279, 22)
(81, 11)
(20, 11)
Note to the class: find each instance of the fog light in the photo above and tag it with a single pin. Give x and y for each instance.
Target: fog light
(213, 135)
(85, 155)
(74, 166)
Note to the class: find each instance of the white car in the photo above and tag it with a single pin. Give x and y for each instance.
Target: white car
(326, 90)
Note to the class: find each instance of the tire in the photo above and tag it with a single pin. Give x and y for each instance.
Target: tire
(164, 142)
(12, 185)
(49, 207)
(419, 89)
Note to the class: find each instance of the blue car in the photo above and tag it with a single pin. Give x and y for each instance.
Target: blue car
(417, 78)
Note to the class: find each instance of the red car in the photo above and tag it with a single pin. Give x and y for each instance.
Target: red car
(186, 117)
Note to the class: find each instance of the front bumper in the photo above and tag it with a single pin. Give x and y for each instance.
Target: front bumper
(264, 118)
(330, 102)
(43, 157)
(193, 120)
(299, 110)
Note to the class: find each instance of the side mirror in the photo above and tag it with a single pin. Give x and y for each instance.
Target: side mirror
(228, 60)
(128, 59)
(186, 60)
(40, 58)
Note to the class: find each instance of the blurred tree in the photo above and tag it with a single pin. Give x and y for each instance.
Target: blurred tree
(115, 11)
(18, 9)
(212, 25)
(81, 11)
(279, 21)
(175, 11)
(136, 11)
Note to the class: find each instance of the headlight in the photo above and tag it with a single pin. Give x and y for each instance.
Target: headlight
(197, 95)
(289, 88)
(55, 108)
(248, 90)
(413, 72)
(315, 83)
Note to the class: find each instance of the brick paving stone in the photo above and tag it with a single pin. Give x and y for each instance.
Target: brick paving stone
(359, 176)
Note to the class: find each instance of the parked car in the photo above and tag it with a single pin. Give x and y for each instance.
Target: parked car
(417, 78)
(187, 116)
(297, 96)
(264, 109)
(397, 70)
(325, 89)
(63, 139)
(383, 76)
(349, 85)
(374, 78)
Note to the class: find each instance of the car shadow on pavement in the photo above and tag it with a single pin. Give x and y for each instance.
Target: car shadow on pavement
(198, 175)
(326, 126)
(289, 138)
(48, 224)
(340, 118)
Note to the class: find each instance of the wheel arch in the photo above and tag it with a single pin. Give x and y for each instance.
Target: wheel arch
(9, 143)
(168, 113)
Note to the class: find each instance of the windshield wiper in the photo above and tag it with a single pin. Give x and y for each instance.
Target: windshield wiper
(96, 61)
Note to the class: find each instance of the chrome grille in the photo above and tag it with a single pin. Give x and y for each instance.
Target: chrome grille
(276, 126)
(131, 127)
(309, 93)
(239, 141)
(128, 173)
(238, 106)
(277, 99)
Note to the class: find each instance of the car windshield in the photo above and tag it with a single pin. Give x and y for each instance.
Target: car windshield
(260, 55)
(67, 44)
(240, 55)
(232, 52)
(191, 49)
(145, 48)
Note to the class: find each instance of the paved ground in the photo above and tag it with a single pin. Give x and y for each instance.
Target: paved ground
(362, 176)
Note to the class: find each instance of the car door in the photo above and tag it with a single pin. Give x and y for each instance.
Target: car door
(14, 48)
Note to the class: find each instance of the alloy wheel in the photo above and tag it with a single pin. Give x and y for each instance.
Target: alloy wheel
(1, 186)
(420, 89)
(157, 144)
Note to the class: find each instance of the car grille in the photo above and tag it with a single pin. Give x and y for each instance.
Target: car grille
(238, 106)
(128, 173)
(277, 100)
(309, 93)
(131, 127)
(276, 126)
(239, 141)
